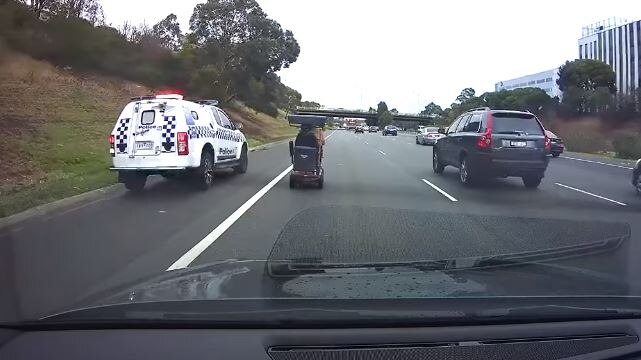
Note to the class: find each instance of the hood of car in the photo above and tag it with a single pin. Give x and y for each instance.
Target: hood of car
(331, 252)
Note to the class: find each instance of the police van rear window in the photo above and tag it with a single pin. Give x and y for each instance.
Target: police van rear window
(148, 117)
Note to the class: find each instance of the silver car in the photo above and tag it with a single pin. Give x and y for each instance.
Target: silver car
(428, 136)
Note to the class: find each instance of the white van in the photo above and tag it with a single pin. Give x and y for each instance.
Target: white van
(167, 135)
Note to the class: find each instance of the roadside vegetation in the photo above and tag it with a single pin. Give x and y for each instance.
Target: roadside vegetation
(65, 76)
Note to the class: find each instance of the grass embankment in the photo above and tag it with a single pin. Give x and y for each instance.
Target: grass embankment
(593, 136)
(54, 125)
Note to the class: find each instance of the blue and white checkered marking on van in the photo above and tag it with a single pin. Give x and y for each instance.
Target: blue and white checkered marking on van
(169, 133)
(121, 135)
(199, 132)
(225, 134)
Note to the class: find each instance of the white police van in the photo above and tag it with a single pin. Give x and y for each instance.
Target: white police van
(167, 135)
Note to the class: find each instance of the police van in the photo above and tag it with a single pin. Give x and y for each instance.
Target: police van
(167, 135)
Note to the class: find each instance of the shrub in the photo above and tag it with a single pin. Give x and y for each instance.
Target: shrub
(583, 136)
(627, 146)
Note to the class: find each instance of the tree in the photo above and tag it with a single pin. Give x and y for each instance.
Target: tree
(394, 111)
(385, 118)
(465, 94)
(168, 33)
(534, 100)
(238, 38)
(381, 108)
(431, 109)
(310, 105)
(39, 6)
(587, 85)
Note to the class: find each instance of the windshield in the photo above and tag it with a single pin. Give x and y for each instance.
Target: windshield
(156, 154)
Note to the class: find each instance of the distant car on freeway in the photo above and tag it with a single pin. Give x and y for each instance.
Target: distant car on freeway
(390, 130)
(359, 129)
(373, 129)
(484, 142)
(428, 136)
(557, 146)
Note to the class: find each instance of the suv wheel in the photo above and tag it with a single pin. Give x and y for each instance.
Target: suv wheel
(242, 166)
(465, 172)
(437, 166)
(532, 181)
(204, 175)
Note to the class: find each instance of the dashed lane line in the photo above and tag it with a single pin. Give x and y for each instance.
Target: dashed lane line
(452, 198)
(591, 194)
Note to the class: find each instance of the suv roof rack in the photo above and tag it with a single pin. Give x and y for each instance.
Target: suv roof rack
(210, 102)
(485, 108)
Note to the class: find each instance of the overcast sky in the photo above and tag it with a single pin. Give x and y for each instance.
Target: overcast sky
(407, 52)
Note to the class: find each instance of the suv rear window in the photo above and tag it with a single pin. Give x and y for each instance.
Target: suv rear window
(509, 122)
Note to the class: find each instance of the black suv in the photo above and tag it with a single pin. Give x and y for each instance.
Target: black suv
(390, 130)
(484, 142)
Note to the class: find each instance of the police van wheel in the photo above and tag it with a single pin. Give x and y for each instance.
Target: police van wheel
(204, 175)
(134, 182)
(242, 167)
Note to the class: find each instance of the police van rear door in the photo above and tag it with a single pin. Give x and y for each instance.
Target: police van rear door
(154, 131)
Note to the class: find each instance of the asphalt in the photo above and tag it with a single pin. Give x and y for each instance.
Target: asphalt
(379, 204)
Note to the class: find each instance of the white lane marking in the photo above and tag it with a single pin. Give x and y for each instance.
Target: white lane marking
(203, 244)
(591, 194)
(452, 198)
(409, 143)
(162, 211)
(382, 152)
(596, 162)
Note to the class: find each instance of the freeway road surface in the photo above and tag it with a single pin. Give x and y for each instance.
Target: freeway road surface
(381, 203)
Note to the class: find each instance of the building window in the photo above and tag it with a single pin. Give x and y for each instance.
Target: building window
(531, 82)
(548, 79)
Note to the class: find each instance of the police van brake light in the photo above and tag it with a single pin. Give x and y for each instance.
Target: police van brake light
(183, 143)
(112, 140)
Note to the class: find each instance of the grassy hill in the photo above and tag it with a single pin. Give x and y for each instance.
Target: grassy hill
(54, 125)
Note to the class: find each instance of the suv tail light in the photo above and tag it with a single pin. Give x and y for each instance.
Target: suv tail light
(548, 143)
(485, 140)
(183, 143)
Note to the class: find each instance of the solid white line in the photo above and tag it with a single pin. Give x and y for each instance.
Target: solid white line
(201, 246)
(591, 194)
(596, 162)
(382, 152)
(452, 198)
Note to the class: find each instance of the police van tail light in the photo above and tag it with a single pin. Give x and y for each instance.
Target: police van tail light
(183, 143)
(112, 145)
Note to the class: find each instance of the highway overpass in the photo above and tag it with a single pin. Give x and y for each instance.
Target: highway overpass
(342, 113)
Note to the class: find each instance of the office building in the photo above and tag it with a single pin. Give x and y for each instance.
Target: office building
(545, 80)
(618, 43)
